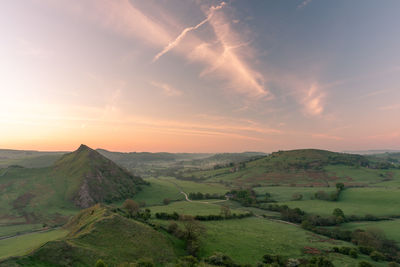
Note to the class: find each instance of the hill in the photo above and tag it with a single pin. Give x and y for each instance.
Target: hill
(307, 167)
(92, 178)
(98, 233)
(50, 195)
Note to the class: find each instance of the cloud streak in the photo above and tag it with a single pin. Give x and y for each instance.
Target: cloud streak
(167, 89)
(180, 37)
(304, 3)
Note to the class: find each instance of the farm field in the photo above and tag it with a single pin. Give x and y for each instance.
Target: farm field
(260, 236)
(281, 193)
(23, 244)
(169, 188)
(390, 227)
(355, 201)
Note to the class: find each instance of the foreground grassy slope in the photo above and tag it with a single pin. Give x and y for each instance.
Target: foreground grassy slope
(259, 236)
(99, 233)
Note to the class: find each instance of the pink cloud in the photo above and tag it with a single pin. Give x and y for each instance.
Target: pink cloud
(313, 101)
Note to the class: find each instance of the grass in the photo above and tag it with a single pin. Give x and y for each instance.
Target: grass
(282, 193)
(169, 187)
(390, 228)
(259, 236)
(21, 245)
(157, 191)
(19, 228)
(355, 201)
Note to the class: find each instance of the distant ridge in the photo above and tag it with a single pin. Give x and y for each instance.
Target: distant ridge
(92, 178)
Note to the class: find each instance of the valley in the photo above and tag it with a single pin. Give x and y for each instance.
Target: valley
(298, 206)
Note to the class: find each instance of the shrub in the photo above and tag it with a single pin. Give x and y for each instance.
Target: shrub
(320, 262)
(144, 263)
(353, 253)
(364, 264)
(220, 259)
(365, 250)
(100, 263)
(377, 256)
(274, 259)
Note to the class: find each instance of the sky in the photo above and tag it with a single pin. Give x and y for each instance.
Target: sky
(200, 75)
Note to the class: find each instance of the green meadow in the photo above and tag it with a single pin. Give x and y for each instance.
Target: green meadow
(23, 244)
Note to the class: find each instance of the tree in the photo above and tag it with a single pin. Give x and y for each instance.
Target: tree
(131, 206)
(338, 213)
(166, 201)
(192, 233)
(225, 211)
(339, 186)
(100, 263)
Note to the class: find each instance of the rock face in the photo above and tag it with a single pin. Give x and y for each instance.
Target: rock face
(92, 178)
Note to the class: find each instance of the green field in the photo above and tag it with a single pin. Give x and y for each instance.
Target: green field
(9, 230)
(157, 191)
(282, 193)
(24, 244)
(355, 201)
(390, 228)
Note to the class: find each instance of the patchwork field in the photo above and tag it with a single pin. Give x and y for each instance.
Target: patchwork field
(355, 201)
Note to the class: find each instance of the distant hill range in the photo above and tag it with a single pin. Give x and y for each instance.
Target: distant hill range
(371, 152)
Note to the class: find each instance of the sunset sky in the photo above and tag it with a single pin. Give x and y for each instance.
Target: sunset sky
(200, 76)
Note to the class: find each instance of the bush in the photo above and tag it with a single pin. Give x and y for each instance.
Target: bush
(320, 262)
(365, 250)
(271, 259)
(377, 256)
(344, 250)
(144, 263)
(353, 253)
(364, 264)
(220, 259)
(100, 263)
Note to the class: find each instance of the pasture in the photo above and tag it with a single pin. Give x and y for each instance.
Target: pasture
(23, 244)
(355, 201)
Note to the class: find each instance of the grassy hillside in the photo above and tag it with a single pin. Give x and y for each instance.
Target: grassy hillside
(97, 233)
(306, 167)
(50, 195)
(93, 178)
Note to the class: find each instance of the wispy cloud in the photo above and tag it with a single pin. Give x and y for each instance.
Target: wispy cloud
(313, 100)
(178, 39)
(225, 58)
(390, 107)
(167, 89)
(304, 3)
